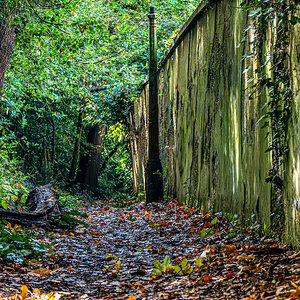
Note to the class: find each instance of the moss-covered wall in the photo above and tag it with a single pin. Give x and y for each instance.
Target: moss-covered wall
(212, 144)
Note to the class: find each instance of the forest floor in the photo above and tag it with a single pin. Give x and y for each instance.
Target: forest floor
(205, 257)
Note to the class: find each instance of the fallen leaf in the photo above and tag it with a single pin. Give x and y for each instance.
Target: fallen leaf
(36, 292)
(24, 290)
(206, 251)
(295, 294)
(229, 248)
(206, 278)
(118, 265)
(42, 271)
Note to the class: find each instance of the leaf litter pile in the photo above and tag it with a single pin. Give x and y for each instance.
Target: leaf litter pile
(158, 251)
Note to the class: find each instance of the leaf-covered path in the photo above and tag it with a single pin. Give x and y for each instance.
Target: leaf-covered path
(113, 259)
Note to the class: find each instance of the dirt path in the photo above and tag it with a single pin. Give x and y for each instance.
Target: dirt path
(113, 259)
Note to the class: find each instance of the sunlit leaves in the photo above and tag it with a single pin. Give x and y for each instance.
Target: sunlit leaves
(162, 267)
(24, 291)
(199, 262)
(118, 265)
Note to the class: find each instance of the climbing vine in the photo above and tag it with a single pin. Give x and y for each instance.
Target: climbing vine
(273, 79)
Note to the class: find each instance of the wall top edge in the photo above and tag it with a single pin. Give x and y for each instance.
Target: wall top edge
(200, 10)
(185, 29)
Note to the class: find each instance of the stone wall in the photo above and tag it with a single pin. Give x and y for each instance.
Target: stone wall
(212, 142)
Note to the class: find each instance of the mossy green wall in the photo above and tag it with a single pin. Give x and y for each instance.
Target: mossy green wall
(212, 146)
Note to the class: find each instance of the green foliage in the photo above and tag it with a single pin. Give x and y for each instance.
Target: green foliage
(208, 231)
(165, 267)
(162, 267)
(184, 268)
(68, 200)
(214, 221)
(18, 244)
(61, 52)
(13, 189)
(199, 262)
(203, 233)
(69, 221)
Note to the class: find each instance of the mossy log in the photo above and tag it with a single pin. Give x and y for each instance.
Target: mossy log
(44, 207)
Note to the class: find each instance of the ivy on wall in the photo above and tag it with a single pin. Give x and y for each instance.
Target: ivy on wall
(273, 79)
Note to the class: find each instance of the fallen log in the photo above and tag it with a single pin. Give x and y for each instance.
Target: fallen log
(44, 207)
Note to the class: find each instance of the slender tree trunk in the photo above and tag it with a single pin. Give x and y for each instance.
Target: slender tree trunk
(75, 158)
(109, 156)
(89, 163)
(7, 43)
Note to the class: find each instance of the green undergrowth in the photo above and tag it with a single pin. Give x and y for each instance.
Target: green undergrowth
(19, 245)
(250, 225)
(165, 267)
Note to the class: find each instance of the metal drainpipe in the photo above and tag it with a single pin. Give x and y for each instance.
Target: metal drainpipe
(154, 176)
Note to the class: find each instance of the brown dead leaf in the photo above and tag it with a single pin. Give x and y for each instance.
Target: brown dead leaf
(230, 249)
(42, 271)
(206, 252)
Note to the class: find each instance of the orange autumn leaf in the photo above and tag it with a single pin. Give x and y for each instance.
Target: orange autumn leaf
(95, 232)
(162, 250)
(295, 294)
(24, 290)
(137, 284)
(36, 292)
(42, 271)
(246, 257)
(207, 225)
(131, 297)
(229, 248)
(17, 227)
(229, 275)
(206, 278)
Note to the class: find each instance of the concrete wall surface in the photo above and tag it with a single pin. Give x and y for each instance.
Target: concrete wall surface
(213, 146)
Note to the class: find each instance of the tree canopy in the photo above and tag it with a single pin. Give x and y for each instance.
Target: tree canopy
(65, 51)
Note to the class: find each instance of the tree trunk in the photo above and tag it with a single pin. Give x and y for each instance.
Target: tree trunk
(109, 156)
(89, 163)
(44, 206)
(76, 148)
(7, 43)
